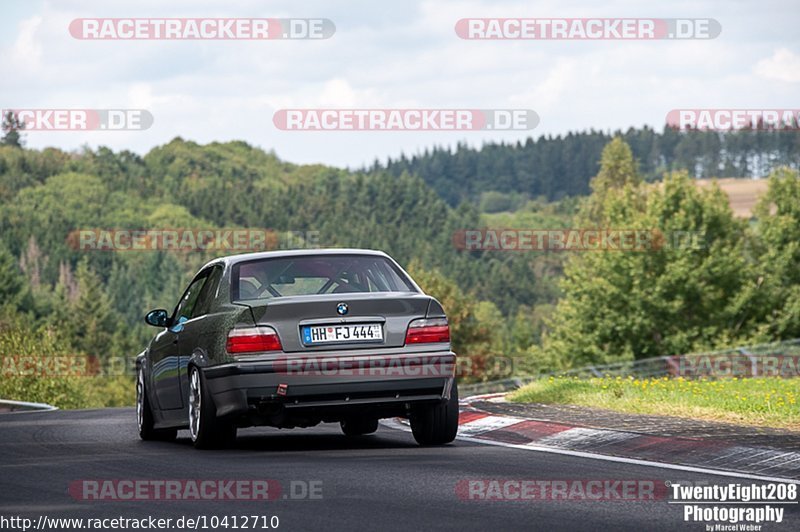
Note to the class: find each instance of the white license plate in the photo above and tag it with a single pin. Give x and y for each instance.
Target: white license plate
(329, 334)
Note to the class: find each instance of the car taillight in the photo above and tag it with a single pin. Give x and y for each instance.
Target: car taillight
(428, 331)
(253, 340)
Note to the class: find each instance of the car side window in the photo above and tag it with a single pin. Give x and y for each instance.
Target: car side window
(187, 303)
(207, 293)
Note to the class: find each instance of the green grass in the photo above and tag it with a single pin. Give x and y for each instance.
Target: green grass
(70, 392)
(769, 402)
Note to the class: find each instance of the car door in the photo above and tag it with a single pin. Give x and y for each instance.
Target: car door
(166, 368)
(198, 325)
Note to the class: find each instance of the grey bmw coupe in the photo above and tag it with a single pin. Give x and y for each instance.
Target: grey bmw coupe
(295, 338)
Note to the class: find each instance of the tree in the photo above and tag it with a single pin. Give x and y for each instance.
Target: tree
(12, 127)
(12, 282)
(681, 295)
(91, 325)
(618, 175)
(617, 167)
(774, 296)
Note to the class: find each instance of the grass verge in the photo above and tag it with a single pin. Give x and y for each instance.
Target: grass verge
(767, 402)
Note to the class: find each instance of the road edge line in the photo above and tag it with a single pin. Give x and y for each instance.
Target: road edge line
(392, 423)
(32, 407)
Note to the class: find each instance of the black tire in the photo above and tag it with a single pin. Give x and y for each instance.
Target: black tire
(359, 426)
(209, 432)
(144, 415)
(437, 425)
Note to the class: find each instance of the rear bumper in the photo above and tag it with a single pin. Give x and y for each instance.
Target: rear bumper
(329, 386)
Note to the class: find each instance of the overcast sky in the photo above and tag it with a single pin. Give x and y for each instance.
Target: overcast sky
(402, 54)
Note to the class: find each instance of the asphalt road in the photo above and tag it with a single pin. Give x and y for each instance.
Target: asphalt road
(379, 482)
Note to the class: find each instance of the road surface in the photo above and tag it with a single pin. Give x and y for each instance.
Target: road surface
(379, 482)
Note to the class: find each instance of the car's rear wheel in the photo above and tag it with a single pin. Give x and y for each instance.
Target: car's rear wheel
(437, 425)
(206, 430)
(144, 415)
(359, 426)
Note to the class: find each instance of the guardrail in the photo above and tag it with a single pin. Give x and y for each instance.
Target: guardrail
(22, 406)
(777, 359)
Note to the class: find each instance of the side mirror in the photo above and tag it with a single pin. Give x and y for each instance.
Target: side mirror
(157, 318)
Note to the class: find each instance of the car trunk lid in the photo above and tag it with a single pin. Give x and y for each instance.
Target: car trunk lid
(289, 315)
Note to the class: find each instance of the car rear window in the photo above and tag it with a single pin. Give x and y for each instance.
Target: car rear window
(319, 274)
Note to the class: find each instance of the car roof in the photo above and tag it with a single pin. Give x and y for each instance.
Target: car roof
(242, 257)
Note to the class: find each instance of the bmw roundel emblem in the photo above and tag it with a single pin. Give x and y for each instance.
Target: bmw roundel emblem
(341, 309)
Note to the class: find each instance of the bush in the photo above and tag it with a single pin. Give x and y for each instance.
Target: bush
(25, 347)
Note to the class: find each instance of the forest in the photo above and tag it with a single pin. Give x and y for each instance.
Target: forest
(558, 166)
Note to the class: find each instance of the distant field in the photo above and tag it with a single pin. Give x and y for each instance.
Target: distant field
(742, 193)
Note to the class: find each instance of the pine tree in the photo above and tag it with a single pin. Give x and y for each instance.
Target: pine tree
(12, 126)
(618, 175)
(12, 282)
(92, 318)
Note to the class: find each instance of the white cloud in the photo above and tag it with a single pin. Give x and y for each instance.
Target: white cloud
(399, 54)
(26, 52)
(783, 65)
(552, 89)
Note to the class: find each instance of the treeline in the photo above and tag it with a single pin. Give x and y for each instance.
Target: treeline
(555, 167)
